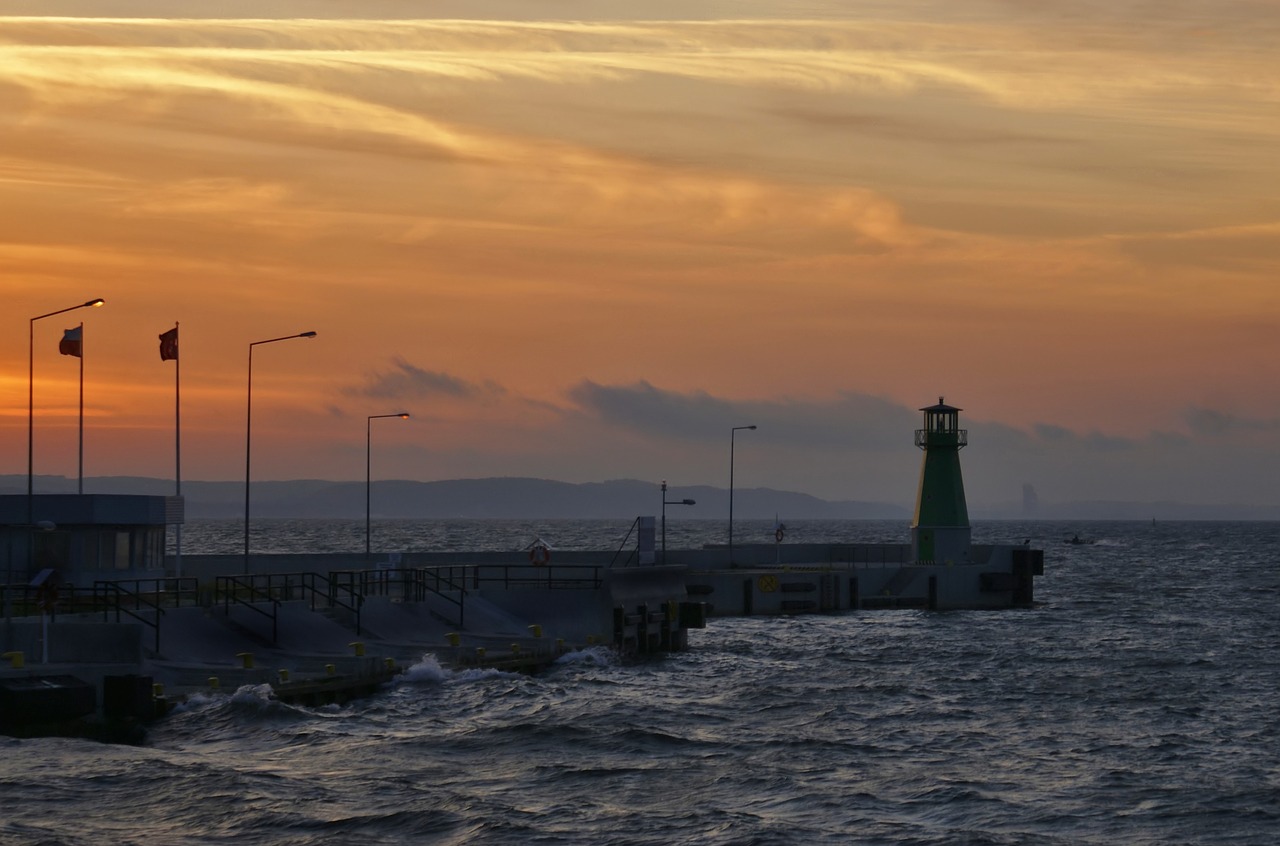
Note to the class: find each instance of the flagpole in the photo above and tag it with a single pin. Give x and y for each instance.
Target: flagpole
(177, 450)
(80, 478)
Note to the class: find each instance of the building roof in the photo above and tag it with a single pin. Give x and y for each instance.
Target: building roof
(941, 406)
(92, 509)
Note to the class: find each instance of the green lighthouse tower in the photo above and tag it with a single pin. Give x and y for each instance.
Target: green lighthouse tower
(940, 530)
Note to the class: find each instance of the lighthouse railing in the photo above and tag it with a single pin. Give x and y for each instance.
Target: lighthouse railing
(932, 437)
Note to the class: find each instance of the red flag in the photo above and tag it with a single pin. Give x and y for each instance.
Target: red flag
(169, 345)
(71, 343)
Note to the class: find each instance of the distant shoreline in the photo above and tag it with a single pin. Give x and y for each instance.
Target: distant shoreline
(515, 498)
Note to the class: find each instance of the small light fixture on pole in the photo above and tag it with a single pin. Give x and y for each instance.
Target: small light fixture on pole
(732, 432)
(368, 474)
(665, 503)
(248, 434)
(31, 393)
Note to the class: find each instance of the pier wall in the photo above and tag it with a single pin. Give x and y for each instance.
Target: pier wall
(75, 641)
(746, 556)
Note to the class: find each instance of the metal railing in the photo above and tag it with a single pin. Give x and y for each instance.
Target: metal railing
(33, 600)
(448, 582)
(942, 437)
(550, 576)
(144, 599)
(27, 601)
(334, 594)
(270, 589)
(633, 556)
(249, 592)
(451, 583)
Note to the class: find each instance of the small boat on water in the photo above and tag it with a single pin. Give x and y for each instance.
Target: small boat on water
(1076, 540)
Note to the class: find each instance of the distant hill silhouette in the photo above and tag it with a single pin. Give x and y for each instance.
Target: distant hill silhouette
(523, 498)
(506, 497)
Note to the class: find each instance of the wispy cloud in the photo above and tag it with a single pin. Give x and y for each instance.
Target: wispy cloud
(1211, 422)
(851, 419)
(1242, 249)
(405, 381)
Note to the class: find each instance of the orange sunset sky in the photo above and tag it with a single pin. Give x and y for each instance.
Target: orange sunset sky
(582, 240)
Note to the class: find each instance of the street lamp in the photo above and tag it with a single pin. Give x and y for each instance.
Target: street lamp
(31, 394)
(368, 477)
(248, 430)
(732, 432)
(665, 503)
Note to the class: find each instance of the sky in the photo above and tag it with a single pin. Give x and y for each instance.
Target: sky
(584, 240)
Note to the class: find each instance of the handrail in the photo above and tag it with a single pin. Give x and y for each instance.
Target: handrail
(452, 582)
(446, 579)
(409, 584)
(550, 576)
(109, 593)
(162, 588)
(231, 587)
(310, 581)
(623, 545)
(278, 587)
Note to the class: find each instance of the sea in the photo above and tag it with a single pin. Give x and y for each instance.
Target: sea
(1135, 703)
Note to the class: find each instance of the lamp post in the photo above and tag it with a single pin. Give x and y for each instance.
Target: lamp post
(31, 394)
(248, 434)
(665, 503)
(368, 476)
(732, 432)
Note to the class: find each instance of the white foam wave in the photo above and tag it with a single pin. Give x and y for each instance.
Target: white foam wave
(426, 671)
(197, 701)
(253, 694)
(595, 656)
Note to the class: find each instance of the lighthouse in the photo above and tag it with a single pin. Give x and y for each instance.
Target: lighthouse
(940, 529)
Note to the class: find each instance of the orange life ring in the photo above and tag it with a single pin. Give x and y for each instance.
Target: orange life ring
(539, 554)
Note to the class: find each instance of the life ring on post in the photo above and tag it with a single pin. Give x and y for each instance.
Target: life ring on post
(539, 555)
(778, 534)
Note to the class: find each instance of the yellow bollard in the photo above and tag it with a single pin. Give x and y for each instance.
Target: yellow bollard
(247, 658)
(454, 638)
(536, 628)
(284, 675)
(358, 647)
(157, 690)
(560, 645)
(515, 649)
(17, 660)
(214, 683)
(389, 663)
(330, 669)
(479, 653)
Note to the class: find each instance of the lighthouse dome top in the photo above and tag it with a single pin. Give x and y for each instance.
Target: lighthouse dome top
(941, 406)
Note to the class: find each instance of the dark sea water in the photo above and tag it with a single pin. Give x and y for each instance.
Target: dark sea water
(1136, 704)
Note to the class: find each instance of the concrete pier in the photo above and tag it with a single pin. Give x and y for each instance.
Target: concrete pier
(339, 633)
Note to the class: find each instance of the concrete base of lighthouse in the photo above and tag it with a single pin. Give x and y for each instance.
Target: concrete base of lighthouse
(823, 578)
(941, 544)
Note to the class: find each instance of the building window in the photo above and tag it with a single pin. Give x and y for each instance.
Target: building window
(122, 550)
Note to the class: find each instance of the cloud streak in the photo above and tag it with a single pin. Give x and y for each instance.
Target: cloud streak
(406, 381)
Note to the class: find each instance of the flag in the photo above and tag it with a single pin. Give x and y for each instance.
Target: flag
(71, 342)
(169, 345)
